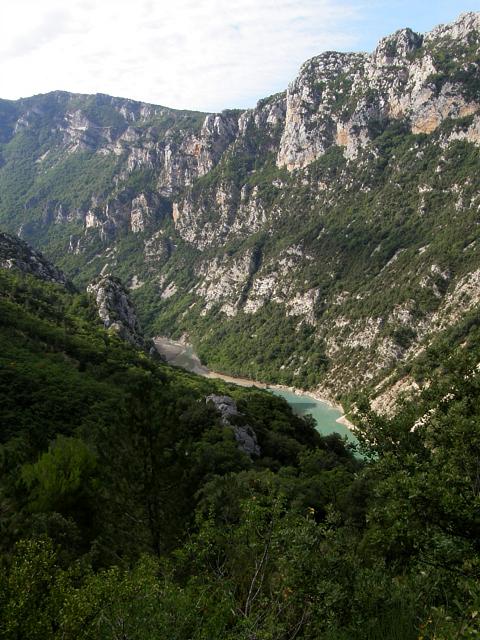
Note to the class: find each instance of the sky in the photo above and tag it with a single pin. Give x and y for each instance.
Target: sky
(206, 55)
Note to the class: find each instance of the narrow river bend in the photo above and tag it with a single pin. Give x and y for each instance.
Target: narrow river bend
(182, 355)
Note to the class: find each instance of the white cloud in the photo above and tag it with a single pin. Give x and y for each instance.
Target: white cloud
(203, 54)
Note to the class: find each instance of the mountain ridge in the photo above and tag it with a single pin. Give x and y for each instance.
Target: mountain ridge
(140, 500)
(280, 224)
(16, 254)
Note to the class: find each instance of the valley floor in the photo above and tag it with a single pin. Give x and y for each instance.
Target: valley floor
(180, 353)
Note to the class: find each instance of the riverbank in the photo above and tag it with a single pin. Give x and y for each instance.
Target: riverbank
(318, 398)
(181, 354)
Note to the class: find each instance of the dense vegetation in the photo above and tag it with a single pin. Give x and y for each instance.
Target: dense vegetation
(370, 252)
(128, 511)
(380, 240)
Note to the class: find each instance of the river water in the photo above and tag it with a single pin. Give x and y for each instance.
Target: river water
(326, 416)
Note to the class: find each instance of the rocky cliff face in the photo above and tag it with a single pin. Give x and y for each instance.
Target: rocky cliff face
(338, 98)
(331, 230)
(116, 309)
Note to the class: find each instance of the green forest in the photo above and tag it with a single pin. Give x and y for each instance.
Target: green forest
(127, 510)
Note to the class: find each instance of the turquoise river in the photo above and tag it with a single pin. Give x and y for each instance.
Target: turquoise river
(182, 355)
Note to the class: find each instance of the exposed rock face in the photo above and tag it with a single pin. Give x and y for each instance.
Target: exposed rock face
(311, 122)
(140, 214)
(16, 254)
(116, 309)
(386, 402)
(244, 434)
(224, 281)
(217, 131)
(460, 30)
(121, 214)
(337, 97)
(333, 205)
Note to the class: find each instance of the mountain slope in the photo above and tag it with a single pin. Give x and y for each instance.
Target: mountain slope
(318, 239)
(141, 501)
(105, 449)
(16, 254)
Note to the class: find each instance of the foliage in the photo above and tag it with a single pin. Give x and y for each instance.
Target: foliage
(99, 433)
(129, 512)
(127, 508)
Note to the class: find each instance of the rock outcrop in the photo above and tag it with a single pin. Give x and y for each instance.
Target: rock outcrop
(116, 310)
(244, 434)
(337, 97)
(16, 254)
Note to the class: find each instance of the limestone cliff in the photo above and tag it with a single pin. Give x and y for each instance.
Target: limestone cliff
(116, 309)
(321, 238)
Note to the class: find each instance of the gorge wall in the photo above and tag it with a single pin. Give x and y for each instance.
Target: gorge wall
(324, 238)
